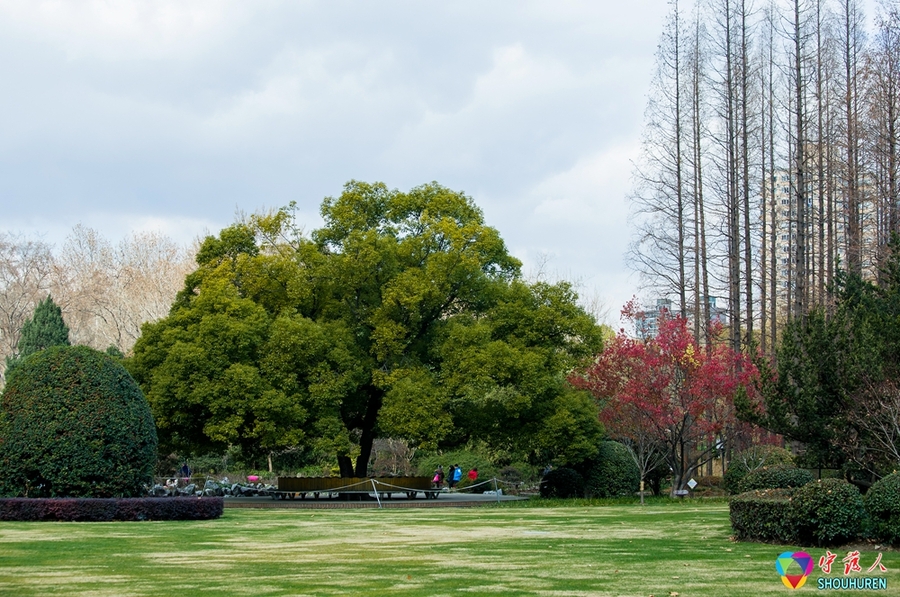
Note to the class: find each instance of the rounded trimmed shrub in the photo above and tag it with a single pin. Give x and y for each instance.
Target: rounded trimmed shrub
(780, 476)
(562, 483)
(752, 459)
(613, 474)
(74, 423)
(882, 503)
(828, 512)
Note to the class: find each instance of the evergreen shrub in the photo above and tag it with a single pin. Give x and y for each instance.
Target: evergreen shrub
(763, 515)
(613, 472)
(752, 459)
(74, 424)
(562, 483)
(882, 503)
(828, 512)
(779, 476)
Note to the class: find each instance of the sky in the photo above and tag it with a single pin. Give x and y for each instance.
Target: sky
(175, 116)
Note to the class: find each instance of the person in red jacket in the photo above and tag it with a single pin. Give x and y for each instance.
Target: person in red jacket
(473, 474)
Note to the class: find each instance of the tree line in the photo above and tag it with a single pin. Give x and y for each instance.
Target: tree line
(770, 160)
(105, 290)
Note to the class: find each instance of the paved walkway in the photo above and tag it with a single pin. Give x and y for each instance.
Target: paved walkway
(443, 500)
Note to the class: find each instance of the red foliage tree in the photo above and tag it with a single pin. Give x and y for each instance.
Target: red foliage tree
(668, 395)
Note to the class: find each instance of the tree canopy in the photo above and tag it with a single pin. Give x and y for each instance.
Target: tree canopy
(403, 316)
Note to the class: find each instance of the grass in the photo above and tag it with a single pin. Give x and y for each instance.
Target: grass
(662, 549)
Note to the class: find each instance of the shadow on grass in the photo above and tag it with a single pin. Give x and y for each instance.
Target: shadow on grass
(539, 502)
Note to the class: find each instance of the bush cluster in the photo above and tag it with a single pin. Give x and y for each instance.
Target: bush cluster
(74, 424)
(613, 472)
(562, 483)
(751, 459)
(779, 476)
(109, 509)
(882, 503)
(823, 512)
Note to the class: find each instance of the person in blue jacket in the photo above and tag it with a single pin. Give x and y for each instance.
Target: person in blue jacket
(455, 475)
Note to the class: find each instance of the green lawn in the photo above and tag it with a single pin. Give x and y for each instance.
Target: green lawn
(623, 549)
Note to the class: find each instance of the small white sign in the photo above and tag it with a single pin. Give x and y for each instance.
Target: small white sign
(692, 484)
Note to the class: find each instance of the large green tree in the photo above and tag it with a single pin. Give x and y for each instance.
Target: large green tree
(403, 316)
(46, 328)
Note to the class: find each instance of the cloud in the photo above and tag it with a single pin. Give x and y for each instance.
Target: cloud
(177, 114)
(122, 30)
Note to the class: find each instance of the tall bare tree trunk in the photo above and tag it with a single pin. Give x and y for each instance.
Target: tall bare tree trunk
(851, 116)
(800, 305)
(745, 191)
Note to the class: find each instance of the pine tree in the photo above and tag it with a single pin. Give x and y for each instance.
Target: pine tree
(46, 328)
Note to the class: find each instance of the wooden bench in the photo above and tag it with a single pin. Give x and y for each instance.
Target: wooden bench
(292, 487)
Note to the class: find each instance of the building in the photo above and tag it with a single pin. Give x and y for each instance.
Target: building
(647, 325)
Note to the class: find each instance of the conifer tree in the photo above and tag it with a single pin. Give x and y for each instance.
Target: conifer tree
(46, 328)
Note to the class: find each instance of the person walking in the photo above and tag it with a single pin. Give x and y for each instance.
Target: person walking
(455, 475)
(473, 474)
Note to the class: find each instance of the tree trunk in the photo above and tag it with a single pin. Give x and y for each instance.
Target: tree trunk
(801, 287)
(345, 465)
(373, 405)
(745, 159)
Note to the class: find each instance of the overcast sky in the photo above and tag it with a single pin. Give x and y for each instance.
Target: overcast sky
(174, 115)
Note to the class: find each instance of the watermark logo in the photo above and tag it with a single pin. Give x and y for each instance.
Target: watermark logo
(794, 568)
(852, 565)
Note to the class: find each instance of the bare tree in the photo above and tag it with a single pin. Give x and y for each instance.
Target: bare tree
(851, 42)
(696, 72)
(659, 204)
(110, 291)
(882, 83)
(26, 270)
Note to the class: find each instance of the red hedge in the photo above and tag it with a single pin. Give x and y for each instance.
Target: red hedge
(106, 509)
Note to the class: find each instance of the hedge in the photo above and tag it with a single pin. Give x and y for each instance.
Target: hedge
(882, 503)
(109, 509)
(780, 476)
(764, 515)
(825, 512)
